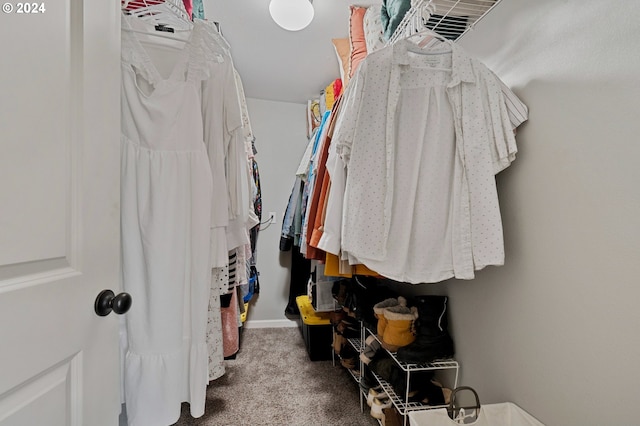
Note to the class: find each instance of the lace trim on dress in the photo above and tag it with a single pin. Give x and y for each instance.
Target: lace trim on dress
(205, 49)
(131, 55)
(201, 50)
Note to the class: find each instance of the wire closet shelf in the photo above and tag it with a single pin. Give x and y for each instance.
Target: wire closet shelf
(449, 18)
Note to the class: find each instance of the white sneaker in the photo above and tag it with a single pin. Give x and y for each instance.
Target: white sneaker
(378, 405)
(376, 392)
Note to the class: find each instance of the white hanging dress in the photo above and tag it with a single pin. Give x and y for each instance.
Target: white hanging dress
(166, 186)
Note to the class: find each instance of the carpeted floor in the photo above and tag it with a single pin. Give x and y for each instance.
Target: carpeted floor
(273, 382)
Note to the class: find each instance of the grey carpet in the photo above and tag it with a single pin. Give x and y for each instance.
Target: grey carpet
(273, 382)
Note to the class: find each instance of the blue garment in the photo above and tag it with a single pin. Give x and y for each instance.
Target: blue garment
(294, 214)
(198, 9)
(308, 185)
(286, 236)
(297, 216)
(391, 15)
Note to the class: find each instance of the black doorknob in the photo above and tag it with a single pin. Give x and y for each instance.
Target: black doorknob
(107, 302)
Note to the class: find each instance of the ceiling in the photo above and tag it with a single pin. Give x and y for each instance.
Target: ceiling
(276, 64)
(286, 66)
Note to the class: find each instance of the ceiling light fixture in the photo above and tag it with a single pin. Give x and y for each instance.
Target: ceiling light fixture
(292, 15)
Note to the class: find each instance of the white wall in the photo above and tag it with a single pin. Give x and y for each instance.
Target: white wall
(557, 329)
(280, 131)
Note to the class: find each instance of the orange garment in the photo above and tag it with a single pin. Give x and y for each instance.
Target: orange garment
(323, 175)
(318, 206)
(312, 251)
(332, 268)
(363, 270)
(316, 232)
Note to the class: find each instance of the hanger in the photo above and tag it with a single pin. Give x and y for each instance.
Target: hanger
(175, 7)
(428, 39)
(168, 20)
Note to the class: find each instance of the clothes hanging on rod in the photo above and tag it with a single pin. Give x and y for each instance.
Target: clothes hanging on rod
(419, 134)
(420, 202)
(184, 151)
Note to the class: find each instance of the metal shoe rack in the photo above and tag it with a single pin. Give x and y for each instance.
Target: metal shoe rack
(401, 402)
(357, 345)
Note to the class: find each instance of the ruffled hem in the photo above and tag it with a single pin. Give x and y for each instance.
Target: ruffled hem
(157, 384)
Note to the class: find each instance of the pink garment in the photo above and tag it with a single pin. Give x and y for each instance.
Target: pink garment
(188, 5)
(230, 332)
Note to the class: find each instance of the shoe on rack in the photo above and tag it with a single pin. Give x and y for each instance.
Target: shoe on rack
(370, 349)
(349, 328)
(399, 330)
(391, 417)
(339, 291)
(348, 363)
(433, 340)
(375, 392)
(349, 358)
(427, 349)
(335, 317)
(385, 367)
(398, 379)
(377, 405)
(368, 381)
(380, 307)
(338, 342)
(446, 392)
(431, 393)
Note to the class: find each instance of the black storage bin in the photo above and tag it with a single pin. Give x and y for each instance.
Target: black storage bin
(317, 331)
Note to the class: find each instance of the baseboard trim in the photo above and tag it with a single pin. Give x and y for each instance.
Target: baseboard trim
(270, 323)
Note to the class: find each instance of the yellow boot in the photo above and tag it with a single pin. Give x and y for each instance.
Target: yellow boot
(379, 308)
(399, 330)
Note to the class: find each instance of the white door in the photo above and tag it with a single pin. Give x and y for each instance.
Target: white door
(59, 211)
